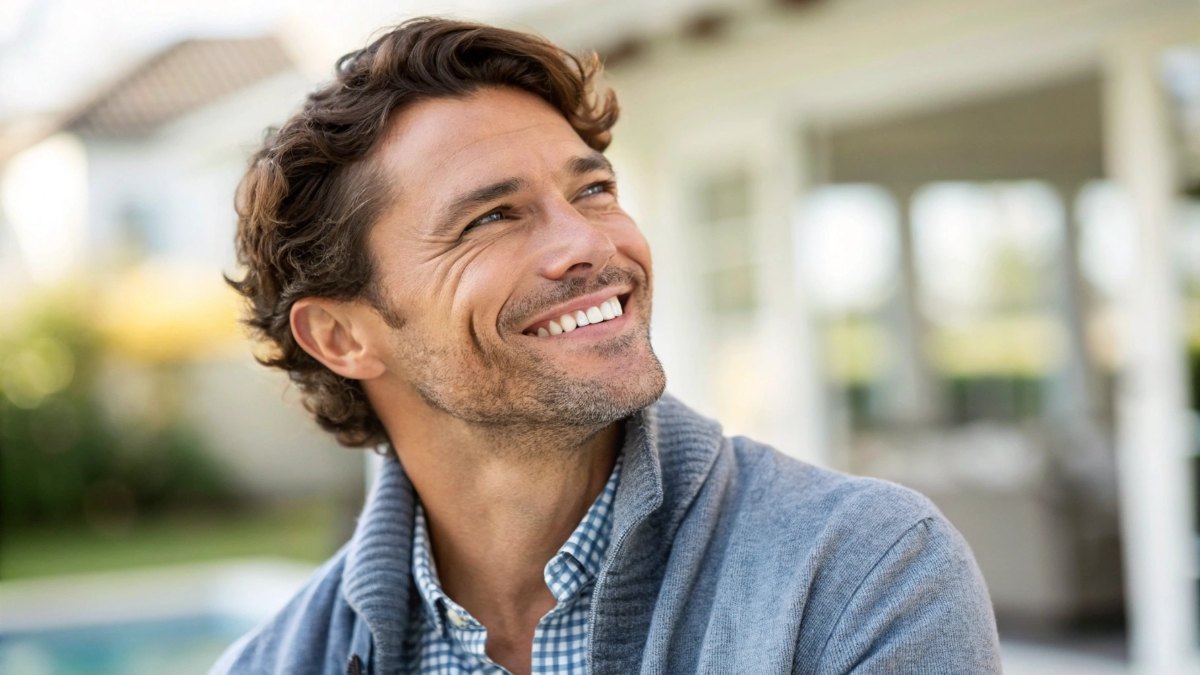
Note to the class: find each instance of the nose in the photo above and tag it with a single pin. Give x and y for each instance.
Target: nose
(574, 245)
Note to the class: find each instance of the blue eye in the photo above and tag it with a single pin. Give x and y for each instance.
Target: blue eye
(596, 189)
(487, 219)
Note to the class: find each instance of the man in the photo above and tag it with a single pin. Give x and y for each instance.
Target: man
(434, 247)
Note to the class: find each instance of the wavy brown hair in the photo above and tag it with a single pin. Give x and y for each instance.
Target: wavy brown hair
(312, 190)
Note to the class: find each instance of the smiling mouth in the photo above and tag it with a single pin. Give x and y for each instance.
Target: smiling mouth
(571, 321)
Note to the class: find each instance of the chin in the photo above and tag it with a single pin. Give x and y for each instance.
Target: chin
(613, 400)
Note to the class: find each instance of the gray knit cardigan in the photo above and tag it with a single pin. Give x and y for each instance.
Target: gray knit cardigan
(726, 557)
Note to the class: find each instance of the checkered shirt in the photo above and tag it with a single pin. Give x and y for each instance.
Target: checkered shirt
(453, 642)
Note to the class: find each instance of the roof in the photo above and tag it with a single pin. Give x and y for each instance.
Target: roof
(184, 76)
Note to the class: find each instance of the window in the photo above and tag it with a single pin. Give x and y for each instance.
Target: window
(847, 253)
(988, 279)
(726, 242)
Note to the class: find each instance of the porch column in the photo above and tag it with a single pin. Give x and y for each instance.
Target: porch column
(1152, 451)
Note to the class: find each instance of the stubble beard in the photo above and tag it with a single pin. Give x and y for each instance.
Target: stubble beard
(530, 402)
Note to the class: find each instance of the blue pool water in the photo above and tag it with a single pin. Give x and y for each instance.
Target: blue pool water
(175, 646)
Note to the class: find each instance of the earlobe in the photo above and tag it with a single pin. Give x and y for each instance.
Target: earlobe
(327, 331)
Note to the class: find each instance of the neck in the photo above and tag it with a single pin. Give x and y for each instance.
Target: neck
(499, 504)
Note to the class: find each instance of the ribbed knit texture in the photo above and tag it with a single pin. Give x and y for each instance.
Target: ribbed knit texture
(725, 556)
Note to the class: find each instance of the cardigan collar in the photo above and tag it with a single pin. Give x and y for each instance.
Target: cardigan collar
(669, 451)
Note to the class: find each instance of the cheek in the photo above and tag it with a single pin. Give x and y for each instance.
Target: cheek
(483, 286)
(630, 241)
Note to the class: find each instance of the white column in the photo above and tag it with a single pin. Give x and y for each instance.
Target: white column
(914, 394)
(799, 411)
(1153, 447)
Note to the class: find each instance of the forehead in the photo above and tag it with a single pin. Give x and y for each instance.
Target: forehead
(441, 145)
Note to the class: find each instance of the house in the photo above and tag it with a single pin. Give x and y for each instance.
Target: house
(948, 243)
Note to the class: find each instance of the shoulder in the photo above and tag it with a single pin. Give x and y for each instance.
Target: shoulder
(795, 486)
(308, 631)
(838, 521)
(695, 453)
(824, 530)
(863, 553)
(745, 485)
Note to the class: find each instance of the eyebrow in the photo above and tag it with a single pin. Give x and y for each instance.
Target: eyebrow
(463, 206)
(589, 163)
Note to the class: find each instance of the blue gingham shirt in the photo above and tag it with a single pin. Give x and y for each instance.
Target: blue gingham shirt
(453, 642)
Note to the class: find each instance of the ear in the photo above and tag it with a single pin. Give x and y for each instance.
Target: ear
(328, 331)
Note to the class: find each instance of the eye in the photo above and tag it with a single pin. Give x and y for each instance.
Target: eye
(606, 186)
(486, 219)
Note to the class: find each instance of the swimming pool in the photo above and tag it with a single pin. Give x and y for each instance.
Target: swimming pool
(179, 645)
(174, 620)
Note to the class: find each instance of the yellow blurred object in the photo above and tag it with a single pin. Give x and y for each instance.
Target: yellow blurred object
(159, 312)
(856, 351)
(1024, 344)
(1192, 322)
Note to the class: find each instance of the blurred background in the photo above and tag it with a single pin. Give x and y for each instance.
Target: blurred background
(951, 244)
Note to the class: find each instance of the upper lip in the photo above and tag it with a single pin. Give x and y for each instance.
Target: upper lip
(581, 303)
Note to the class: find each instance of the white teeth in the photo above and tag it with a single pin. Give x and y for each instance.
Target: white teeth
(605, 311)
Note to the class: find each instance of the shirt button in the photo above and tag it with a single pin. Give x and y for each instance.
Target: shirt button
(457, 618)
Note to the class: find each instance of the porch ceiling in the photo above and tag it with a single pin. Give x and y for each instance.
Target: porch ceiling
(1052, 132)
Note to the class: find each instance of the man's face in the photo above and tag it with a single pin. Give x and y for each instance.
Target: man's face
(505, 220)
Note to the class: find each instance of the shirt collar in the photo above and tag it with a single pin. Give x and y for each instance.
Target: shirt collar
(578, 560)
(425, 573)
(570, 570)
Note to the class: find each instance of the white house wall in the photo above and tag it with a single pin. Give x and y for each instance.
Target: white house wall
(694, 105)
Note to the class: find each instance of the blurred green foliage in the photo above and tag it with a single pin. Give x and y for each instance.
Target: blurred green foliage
(307, 530)
(64, 456)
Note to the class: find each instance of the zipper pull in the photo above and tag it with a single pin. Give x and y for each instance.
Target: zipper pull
(354, 666)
